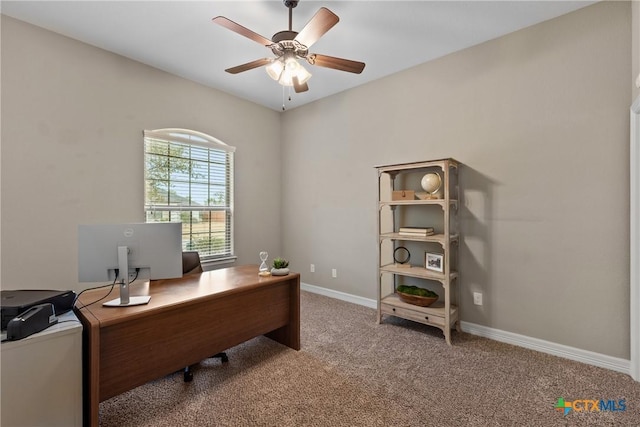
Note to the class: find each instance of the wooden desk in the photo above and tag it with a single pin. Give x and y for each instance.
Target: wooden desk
(187, 320)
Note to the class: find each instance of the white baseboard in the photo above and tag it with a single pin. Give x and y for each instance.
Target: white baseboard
(371, 303)
(560, 350)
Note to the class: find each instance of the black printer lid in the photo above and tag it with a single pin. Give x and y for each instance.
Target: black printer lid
(27, 297)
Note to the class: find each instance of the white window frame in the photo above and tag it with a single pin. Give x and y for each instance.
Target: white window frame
(202, 140)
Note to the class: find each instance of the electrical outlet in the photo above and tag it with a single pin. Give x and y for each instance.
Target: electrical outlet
(334, 273)
(477, 298)
(312, 268)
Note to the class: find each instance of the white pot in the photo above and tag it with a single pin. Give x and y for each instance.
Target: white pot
(279, 271)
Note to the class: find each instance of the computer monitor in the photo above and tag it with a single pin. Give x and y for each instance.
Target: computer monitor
(122, 252)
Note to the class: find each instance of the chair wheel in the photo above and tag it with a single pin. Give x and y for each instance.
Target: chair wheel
(188, 376)
(223, 357)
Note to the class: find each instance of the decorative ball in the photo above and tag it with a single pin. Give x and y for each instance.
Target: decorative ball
(431, 183)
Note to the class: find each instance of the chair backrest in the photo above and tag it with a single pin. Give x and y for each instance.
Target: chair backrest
(191, 263)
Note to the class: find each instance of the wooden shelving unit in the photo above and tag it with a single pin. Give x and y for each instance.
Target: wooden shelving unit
(441, 214)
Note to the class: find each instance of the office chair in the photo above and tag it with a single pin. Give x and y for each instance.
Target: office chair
(191, 265)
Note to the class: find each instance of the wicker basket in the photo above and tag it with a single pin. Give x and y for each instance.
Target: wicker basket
(417, 300)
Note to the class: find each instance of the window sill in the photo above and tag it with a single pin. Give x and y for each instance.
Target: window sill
(214, 263)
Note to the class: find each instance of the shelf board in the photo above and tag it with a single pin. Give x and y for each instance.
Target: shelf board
(439, 202)
(419, 272)
(436, 309)
(412, 166)
(437, 238)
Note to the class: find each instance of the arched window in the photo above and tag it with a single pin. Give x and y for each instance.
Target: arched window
(189, 178)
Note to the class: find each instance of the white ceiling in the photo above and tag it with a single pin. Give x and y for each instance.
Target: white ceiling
(179, 37)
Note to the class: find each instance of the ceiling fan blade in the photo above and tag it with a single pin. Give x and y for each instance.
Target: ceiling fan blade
(336, 63)
(321, 22)
(243, 31)
(248, 66)
(299, 87)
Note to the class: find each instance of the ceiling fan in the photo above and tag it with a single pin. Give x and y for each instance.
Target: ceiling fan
(288, 46)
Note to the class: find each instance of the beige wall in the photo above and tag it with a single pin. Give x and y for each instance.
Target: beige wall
(635, 43)
(72, 122)
(540, 119)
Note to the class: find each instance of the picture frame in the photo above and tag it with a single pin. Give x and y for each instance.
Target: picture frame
(434, 262)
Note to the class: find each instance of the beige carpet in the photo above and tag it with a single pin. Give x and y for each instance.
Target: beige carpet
(353, 372)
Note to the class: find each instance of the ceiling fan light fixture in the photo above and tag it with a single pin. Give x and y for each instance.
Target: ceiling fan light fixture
(292, 68)
(283, 70)
(274, 70)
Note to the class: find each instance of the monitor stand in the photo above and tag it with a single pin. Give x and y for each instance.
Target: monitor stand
(132, 301)
(123, 272)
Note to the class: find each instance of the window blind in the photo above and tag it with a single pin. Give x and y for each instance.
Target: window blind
(189, 179)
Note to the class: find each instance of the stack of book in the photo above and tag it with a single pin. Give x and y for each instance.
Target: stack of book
(416, 231)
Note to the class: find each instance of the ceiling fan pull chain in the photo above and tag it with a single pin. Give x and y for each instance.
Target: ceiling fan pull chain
(288, 96)
(282, 98)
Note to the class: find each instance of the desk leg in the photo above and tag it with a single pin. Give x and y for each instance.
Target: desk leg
(289, 334)
(90, 370)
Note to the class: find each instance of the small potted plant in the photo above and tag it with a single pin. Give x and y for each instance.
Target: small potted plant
(280, 267)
